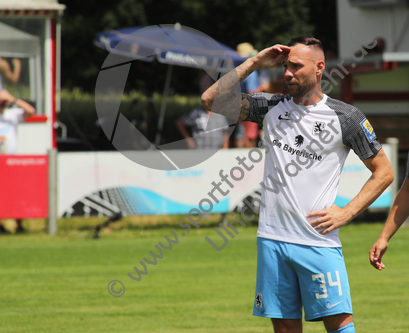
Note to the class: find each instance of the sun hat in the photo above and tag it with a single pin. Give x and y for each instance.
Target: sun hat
(246, 50)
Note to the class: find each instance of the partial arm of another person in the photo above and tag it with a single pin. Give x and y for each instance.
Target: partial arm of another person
(28, 109)
(336, 217)
(189, 140)
(222, 97)
(11, 76)
(7, 99)
(398, 214)
(226, 140)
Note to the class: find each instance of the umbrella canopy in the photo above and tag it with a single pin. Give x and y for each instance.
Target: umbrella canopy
(170, 44)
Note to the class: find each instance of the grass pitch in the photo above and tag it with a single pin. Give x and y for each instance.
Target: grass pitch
(60, 284)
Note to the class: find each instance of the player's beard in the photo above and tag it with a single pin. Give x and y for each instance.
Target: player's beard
(303, 90)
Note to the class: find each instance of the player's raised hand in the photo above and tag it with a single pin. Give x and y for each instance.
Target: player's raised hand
(270, 57)
(376, 253)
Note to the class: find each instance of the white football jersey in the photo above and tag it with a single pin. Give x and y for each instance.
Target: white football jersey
(305, 150)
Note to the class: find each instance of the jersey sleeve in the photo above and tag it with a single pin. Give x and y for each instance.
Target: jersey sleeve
(361, 136)
(261, 103)
(357, 132)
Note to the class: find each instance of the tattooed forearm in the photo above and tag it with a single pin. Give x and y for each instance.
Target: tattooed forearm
(225, 97)
(243, 71)
(245, 107)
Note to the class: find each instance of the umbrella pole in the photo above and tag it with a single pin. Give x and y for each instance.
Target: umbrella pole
(163, 106)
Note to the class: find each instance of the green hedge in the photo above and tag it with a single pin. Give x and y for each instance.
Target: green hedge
(79, 114)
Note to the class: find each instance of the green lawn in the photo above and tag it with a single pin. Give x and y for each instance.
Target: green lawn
(59, 284)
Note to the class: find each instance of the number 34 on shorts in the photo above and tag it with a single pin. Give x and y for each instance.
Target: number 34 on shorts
(323, 279)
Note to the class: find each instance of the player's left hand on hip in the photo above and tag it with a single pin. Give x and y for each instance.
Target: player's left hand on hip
(329, 219)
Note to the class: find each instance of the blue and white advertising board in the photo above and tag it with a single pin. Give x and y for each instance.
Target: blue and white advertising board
(103, 183)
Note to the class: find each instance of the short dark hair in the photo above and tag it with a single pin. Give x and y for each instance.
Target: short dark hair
(306, 40)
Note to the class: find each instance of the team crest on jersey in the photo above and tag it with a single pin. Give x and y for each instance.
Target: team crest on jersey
(368, 130)
(259, 301)
(319, 126)
(299, 140)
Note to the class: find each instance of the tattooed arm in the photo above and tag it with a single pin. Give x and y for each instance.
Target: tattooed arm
(224, 96)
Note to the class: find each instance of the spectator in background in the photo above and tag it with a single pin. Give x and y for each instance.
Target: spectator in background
(11, 76)
(12, 111)
(204, 129)
(247, 133)
(209, 130)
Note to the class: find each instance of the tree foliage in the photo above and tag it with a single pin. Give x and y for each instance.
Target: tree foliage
(262, 23)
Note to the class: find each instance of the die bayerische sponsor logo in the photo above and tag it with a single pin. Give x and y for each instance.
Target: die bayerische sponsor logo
(298, 152)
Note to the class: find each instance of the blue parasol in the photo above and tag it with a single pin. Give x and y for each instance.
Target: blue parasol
(168, 44)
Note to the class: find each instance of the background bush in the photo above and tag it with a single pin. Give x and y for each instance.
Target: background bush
(78, 114)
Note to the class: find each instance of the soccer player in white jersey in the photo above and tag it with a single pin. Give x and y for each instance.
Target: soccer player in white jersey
(307, 138)
(398, 214)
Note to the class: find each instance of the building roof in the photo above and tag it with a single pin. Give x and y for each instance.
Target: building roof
(24, 8)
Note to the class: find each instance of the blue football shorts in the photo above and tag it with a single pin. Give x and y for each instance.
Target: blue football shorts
(292, 276)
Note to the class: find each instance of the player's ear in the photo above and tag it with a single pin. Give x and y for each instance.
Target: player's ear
(320, 67)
